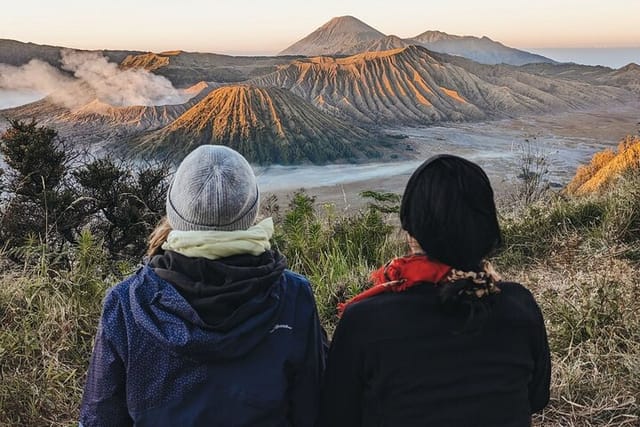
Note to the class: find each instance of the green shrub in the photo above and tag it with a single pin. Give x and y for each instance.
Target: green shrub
(336, 252)
(53, 192)
(39, 199)
(125, 202)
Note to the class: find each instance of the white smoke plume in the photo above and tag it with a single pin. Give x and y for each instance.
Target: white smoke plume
(91, 76)
(36, 76)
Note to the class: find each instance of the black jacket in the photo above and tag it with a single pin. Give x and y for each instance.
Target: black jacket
(402, 360)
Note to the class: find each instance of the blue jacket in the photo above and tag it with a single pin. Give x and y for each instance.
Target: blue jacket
(156, 363)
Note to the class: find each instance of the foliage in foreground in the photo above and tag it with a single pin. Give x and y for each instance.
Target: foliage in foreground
(606, 166)
(48, 320)
(580, 257)
(50, 192)
(336, 252)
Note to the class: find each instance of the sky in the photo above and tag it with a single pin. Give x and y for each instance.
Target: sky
(245, 27)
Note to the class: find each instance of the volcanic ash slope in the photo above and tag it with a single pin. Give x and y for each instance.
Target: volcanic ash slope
(266, 125)
(413, 86)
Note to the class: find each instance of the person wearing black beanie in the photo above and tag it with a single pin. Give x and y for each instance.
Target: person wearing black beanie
(439, 339)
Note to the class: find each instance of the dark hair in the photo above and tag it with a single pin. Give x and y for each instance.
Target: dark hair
(448, 208)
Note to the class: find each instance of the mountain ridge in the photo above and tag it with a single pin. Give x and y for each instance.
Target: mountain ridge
(17, 53)
(266, 125)
(185, 68)
(479, 49)
(414, 86)
(347, 35)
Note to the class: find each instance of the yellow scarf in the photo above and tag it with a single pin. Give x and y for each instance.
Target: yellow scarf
(220, 244)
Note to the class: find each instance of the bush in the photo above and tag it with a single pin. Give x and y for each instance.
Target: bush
(606, 167)
(40, 200)
(53, 192)
(532, 182)
(550, 227)
(336, 253)
(125, 202)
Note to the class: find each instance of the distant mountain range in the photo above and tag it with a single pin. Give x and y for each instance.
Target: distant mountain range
(346, 35)
(295, 109)
(186, 68)
(13, 52)
(413, 86)
(479, 49)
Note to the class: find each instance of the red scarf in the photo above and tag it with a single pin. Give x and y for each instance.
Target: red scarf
(401, 274)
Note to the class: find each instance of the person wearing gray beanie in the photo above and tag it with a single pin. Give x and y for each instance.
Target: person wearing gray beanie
(214, 329)
(214, 188)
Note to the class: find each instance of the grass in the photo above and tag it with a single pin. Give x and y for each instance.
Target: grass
(580, 259)
(48, 321)
(579, 256)
(336, 252)
(591, 308)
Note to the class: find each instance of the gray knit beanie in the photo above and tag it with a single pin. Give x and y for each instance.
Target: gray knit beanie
(214, 188)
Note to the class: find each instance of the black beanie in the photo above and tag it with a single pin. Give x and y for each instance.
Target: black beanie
(448, 208)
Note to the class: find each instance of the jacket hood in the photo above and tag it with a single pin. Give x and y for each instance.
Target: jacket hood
(220, 309)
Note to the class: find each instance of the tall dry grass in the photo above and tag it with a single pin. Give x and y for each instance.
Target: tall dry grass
(48, 317)
(580, 257)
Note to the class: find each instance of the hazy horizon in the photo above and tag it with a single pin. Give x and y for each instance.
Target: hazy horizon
(613, 57)
(251, 27)
(609, 57)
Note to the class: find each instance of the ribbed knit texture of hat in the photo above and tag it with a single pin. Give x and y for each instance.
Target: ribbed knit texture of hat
(214, 188)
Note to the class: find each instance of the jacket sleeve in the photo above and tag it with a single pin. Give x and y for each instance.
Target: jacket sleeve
(341, 396)
(304, 391)
(104, 398)
(541, 379)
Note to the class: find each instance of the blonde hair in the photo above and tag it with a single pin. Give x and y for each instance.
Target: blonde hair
(157, 237)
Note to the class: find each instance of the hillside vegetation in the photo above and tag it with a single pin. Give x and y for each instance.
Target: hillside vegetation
(579, 255)
(605, 167)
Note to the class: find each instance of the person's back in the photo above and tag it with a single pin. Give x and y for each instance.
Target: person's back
(178, 370)
(439, 339)
(421, 366)
(213, 330)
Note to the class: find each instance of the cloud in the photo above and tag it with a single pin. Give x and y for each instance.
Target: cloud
(89, 75)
